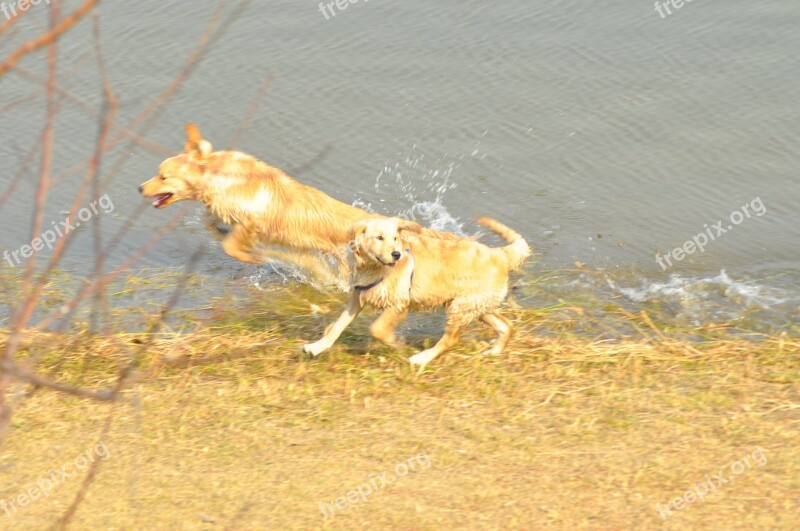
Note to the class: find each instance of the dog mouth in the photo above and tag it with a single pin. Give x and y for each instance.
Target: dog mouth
(160, 199)
(390, 264)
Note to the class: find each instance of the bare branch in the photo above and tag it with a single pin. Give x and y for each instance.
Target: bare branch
(22, 170)
(46, 156)
(14, 370)
(109, 109)
(248, 117)
(48, 38)
(41, 198)
(100, 283)
(209, 37)
(123, 379)
(306, 166)
(10, 22)
(121, 131)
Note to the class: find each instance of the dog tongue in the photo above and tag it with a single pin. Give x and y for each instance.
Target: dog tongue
(160, 199)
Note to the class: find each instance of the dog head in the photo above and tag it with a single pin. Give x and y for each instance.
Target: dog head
(383, 241)
(180, 177)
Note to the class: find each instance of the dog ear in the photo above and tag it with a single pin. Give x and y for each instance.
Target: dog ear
(195, 143)
(410, 226)
(355, 233)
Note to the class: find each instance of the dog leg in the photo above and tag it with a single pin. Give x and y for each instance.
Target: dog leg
(451, 332)
(503, 327)
(383, 328)
(333, 332)
(239, 243)
(215, 226)
(319, 271)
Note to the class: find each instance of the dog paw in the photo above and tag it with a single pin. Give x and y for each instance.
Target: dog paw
(494, 352)
(420, 367)
(416, 359)
(390, 340)
(421, 360)
(313, 349)
(395, 344)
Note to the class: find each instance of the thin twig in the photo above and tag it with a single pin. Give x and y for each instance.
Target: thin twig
(62, 523)
(120, 130)
(32, 298)
(122, 380)
(18, 372)
(19, 102)
(109, 109)
(12, 186)
(146, 118)
(46, 155)
(248, 117)
(306, 166)
(142, 118)
(48, 38)
(6, 356)
(10, 22)
(100, 283)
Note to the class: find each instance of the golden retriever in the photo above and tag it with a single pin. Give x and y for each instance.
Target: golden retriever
(396, 266)
(262, 205)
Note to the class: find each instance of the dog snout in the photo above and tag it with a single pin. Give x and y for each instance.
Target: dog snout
(396, 255)
(141, 188)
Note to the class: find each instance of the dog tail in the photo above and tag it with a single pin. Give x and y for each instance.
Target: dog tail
(517, 249)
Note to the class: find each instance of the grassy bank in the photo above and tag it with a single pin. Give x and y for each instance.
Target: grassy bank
(224, 427)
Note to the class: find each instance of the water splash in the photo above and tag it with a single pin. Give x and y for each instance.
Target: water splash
(423, 183)
(706, 289)
(418, 182)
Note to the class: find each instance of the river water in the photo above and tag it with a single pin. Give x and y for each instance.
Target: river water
(607, 133)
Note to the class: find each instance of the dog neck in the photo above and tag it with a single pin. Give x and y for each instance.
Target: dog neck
(369, 286)
(388, 280)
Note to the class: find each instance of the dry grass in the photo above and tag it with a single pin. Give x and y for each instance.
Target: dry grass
(225, 427)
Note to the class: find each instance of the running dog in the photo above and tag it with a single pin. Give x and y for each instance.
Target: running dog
(395, 266)
(262, 205)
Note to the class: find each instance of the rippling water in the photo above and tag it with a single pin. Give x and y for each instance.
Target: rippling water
(604, 133)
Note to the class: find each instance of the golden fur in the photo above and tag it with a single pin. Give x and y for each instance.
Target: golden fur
(262, 205)
(397, 267)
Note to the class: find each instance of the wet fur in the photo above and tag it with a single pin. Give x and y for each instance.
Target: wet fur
(263, 205)
(395, 266)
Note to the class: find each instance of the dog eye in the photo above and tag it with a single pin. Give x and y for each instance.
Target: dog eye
(380, 238)
(162, 178)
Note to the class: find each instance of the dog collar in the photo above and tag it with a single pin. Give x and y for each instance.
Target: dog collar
(411, 279)
(362, 289)
(368, 287)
